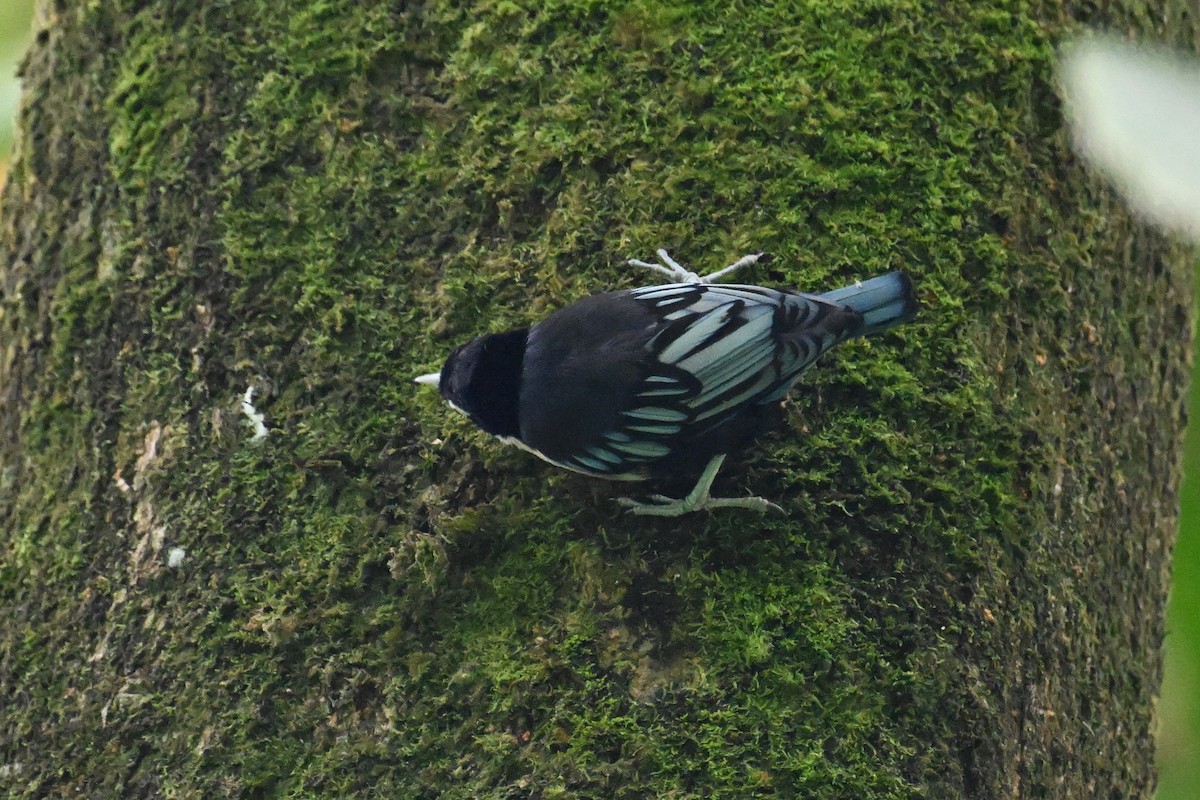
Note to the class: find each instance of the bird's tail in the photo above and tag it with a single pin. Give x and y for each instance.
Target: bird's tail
(884, 302)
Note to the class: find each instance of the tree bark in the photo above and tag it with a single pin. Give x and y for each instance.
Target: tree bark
(965, 599)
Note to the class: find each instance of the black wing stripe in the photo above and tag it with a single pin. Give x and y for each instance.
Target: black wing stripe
(674, 305)
(698, 330)
(714, 389)
(741, 363)
(753, 294)
(670, 333)
(727, 331)
(735, 395)
(661, 430)
(656, 414)
(604, 454)
(673, 302)
(666, 391)
(752, 334)
(591, 464)
(642, 448)
(752, 354)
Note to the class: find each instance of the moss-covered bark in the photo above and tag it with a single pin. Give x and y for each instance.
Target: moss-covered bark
(317, 200)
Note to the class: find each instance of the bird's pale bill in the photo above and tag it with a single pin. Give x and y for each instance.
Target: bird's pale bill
(431, 379)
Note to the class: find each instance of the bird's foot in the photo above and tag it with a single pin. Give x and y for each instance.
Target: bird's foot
(744, 261)
(669, 267)
(680, 274)
(698, 499)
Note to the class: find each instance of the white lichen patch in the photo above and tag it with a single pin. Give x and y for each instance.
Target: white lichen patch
(256, 418)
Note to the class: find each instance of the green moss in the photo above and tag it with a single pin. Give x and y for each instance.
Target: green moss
(377, 599)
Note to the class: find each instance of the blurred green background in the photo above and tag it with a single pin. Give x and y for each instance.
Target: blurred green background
(1179, 710)
(16, 20)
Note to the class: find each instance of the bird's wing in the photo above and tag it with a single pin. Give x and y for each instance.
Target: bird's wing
(716, 349)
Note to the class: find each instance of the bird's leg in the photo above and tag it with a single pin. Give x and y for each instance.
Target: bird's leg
(698, 499)
(680, 274)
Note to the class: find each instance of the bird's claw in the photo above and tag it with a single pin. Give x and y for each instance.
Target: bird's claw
(660, 506)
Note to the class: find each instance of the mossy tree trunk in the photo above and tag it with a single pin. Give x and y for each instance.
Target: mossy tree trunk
(318, 200)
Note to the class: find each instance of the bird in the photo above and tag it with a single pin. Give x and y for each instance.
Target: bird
(650, 382)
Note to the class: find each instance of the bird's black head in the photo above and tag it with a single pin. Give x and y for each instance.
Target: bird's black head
(482, 378)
